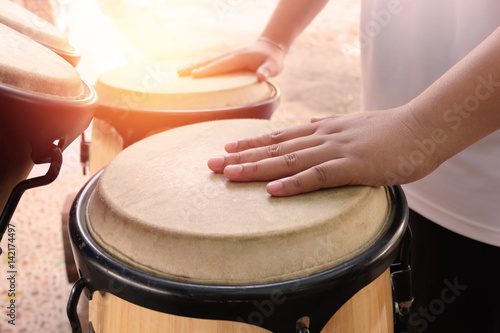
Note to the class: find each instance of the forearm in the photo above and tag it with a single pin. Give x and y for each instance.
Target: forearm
(290, 18)
(463, 106)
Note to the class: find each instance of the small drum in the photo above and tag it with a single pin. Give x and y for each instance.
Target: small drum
(44, 106)
(41, 31)
(139, 100)
(164, 244)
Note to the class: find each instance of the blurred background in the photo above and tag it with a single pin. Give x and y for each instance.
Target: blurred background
(321, 77)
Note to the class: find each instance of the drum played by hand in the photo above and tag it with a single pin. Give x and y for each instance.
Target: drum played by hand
(42, 100)
(182, 248)
(137, 101)
(38, 29)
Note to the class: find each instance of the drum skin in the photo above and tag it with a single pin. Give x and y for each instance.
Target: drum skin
(137, 101)
(31, 67)
(189, 224)
(36, 28)
(119, 289)
(157, 86)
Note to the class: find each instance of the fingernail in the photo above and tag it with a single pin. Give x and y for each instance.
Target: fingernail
(262, 75)
(233, 170)
(216, 162)
(231, 146)
(275, 186)
(184, 70)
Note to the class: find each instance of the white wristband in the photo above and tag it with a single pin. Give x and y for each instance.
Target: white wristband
(270, 41)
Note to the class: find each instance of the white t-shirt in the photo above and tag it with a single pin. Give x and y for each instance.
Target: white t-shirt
(405, 46)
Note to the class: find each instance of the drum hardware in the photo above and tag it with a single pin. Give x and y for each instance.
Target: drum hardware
(316, 297)
(71, 312)
(84, 154)
(302, 325)
(15, 196)
(401, 281)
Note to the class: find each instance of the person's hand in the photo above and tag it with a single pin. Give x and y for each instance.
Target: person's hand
(261, 57)
(366, 148)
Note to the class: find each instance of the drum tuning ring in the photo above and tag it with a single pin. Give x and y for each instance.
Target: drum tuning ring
(302, 325)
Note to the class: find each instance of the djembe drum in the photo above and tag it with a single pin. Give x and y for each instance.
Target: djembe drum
(41, 31)
(139, 100)
(44, 106)
(163, 244)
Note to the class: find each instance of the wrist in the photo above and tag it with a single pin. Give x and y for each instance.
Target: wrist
(272, 42)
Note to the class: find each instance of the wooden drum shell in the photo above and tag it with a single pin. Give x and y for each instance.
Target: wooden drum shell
(370, 310)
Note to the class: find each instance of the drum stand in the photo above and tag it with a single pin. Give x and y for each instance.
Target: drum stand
(55, 158)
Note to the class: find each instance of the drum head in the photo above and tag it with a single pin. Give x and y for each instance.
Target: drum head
(159, 230)
(31, 67)
(159, 209)
(43, 97)
(157, 86)
(41, 31)
(140, 100)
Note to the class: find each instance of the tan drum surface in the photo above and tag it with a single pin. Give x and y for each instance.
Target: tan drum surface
(157, 86)
(158, 208)
(29, 66)
(29, 24)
